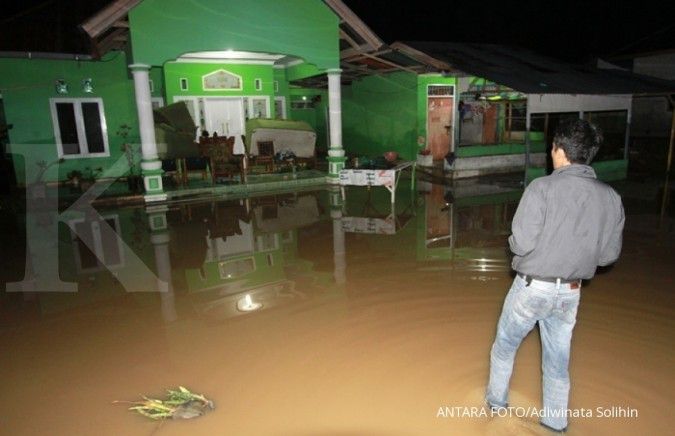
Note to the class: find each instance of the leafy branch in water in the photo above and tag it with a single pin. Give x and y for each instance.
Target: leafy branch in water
(179, 404)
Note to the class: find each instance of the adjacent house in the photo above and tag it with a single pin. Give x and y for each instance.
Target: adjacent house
(493, 108)
(653, 123)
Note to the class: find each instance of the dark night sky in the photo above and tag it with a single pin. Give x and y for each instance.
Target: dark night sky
(572, 30)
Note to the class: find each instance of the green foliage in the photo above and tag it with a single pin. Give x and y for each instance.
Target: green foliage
(180, 403)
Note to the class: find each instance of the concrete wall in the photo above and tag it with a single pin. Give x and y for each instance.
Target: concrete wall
(482, 165)
(651, 115)
(379, 114)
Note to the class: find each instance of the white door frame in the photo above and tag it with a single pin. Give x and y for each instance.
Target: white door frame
(197, 100)
(241, 110)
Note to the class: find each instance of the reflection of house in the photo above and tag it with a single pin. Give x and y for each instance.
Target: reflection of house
(252, 259)
(468, 225)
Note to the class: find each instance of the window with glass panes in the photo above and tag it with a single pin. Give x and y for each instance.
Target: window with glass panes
(79, 127)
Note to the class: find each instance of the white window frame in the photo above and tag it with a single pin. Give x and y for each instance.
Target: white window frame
(258, 84)
(158, 100)
(98, 245)
(181, 81)
(223, 263)
(249, 105)
(260, 242)
(79, 125)
(283, 107)
(207, 89)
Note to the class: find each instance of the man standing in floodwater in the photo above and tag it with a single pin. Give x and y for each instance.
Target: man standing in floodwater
(566, 225)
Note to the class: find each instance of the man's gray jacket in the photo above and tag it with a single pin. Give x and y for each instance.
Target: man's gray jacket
(566, 225)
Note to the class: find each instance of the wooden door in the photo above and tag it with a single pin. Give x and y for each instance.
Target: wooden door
(439, 126)
(439, 221)
(490, 124)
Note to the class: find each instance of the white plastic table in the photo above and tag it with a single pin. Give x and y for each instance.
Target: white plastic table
(388, 178)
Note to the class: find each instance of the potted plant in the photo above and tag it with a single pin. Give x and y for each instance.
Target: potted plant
(425, 158)
(134, 181)
(74, 177)
(88, 177)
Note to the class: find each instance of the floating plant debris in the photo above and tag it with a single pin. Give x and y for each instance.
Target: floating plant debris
(179, 404)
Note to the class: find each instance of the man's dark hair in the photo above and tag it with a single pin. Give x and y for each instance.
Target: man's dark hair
(579, 139)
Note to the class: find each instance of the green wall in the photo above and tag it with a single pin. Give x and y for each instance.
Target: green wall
(316, 117)
(499, 149)
(379, 114)
(27, 86)
(281, 79)
(163, 30)
(193, 72)
(607, 171)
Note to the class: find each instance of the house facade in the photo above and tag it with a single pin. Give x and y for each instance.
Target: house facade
(228, 61)
(494, 108)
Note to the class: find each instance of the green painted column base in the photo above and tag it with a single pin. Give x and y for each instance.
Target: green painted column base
(154, 187)
(152, 181)
(335, 165)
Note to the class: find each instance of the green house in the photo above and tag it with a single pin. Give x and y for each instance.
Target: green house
(491, 108)
(228, 60)
(311, 61)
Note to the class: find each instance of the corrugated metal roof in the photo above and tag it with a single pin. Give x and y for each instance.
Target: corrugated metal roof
(531, 73)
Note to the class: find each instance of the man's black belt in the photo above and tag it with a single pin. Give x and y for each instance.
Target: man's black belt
(528, 279)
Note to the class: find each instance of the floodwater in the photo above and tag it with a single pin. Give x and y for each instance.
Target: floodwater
(299, 315)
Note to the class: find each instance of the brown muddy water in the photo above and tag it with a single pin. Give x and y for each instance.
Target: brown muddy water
(368, 323)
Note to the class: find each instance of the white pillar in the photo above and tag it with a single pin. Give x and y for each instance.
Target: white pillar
(160, 239)
(339, 251)
(336, 154)
(151, 166)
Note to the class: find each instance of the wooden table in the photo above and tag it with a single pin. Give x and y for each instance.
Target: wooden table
(388, 178)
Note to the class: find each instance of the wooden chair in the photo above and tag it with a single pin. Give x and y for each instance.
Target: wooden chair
(265, 155)
(222, 160)
(187, 165)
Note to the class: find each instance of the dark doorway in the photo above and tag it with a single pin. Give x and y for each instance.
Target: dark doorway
(7, 177)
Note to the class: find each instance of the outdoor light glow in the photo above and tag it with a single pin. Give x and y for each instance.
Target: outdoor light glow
(61, 86)
(247, 304)
(304, 97)
(87, 86)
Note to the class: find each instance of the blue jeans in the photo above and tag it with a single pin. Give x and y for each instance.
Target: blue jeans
(554, 307)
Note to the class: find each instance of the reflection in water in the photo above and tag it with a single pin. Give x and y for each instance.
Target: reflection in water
(307, 307)
(470, 228)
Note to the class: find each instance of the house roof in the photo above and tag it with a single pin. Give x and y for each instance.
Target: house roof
(529, 72)
(108, 29)
(362, 52)
(660, 41)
